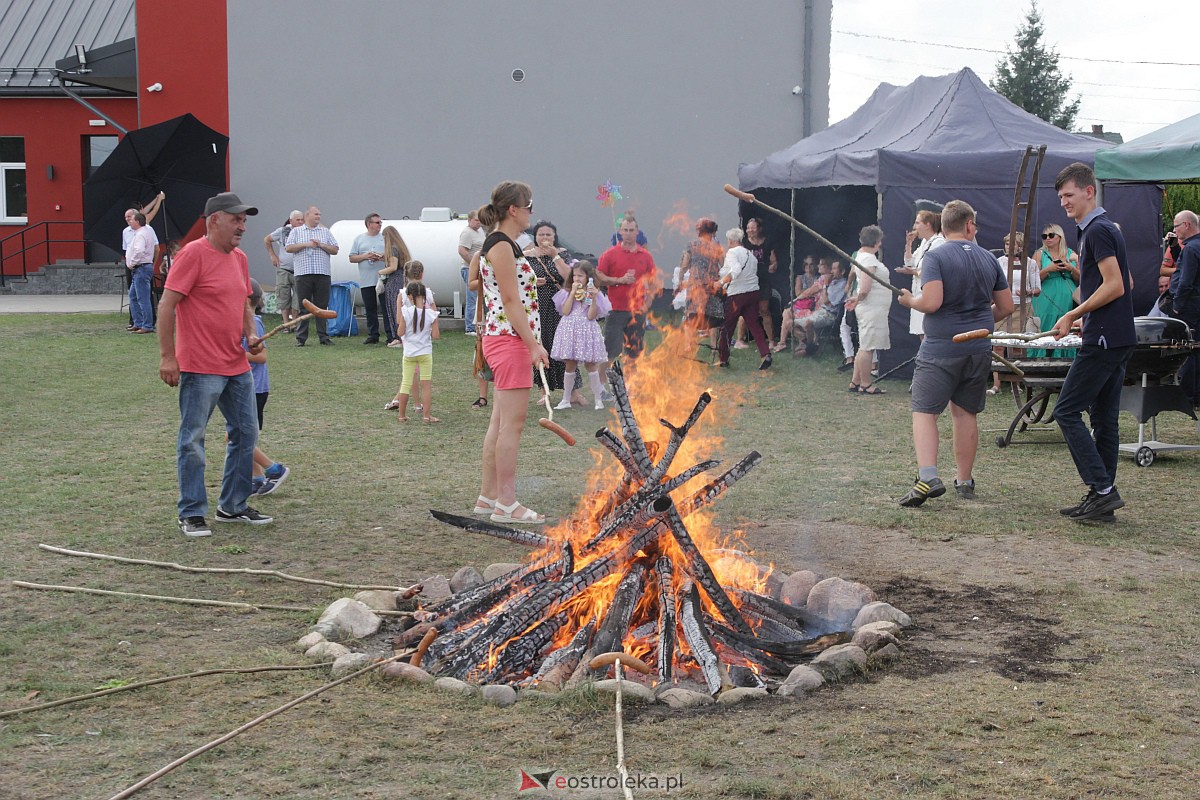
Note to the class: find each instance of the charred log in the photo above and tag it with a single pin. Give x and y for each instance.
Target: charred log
(677, 437)
(702, 573)
(620, 611)
(525, 650)
(559, 665)
(665, 651)
(789, 615)
(691, 620)
(477, 525)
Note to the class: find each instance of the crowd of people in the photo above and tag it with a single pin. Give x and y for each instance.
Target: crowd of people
(543, 319)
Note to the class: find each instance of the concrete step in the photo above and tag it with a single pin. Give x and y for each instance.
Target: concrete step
(70, 277)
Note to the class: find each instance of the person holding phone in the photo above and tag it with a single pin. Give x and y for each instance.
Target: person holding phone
(367, 253)
(1059, 271)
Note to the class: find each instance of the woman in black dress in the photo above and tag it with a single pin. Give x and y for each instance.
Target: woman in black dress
(553, 272)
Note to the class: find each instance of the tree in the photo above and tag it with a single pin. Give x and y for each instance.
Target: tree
(1030, 77)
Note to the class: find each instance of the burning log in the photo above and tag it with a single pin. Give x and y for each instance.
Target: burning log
(526, 649)
(642, 506)
(791, 650)
(677, 437)
(702, 573)
(691, 620)
(666, 617)
(477, 525)
(616, 622)
(724, 636)
(620, 451)
(715, 489)
(769, 607)
(629, 426)
(486, 595)
(559, 665)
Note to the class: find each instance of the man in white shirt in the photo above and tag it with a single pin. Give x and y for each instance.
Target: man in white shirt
(470, 242)
(139, 259)
(312, 244)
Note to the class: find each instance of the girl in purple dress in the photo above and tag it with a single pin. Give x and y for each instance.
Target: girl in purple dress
(578, 338)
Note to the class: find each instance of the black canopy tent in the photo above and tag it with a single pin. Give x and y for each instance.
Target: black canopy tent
(939, 138)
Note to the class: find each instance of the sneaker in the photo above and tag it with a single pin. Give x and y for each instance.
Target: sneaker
(371, 341)
(395, 343)
(1099, 505)
(194, 526)
(922, 491)
(326, 342)
(599, 404)
(1071, 511)
(265, 486)
(470, 333)
(563, 405)
(277, 472)
(965, 491)
(247, 514)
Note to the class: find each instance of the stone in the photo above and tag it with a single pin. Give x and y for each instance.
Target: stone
(406, 673)
(465, 578)
(741, 694)
(881, 612)
(493, 571)
(326, 651)
(797, 586)
(801, 680)
(684, 698)
(631, 691)
(378, 599)
(455, 686)
(871, 639)
(885, 655)
(351, 662)
(349, 619)
(884, 626)
(304, 643)
(840, 662)
(435, 587)
(499, 695)
(838, 601)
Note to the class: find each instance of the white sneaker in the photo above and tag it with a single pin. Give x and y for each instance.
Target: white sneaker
(599, 404)
(563, 404)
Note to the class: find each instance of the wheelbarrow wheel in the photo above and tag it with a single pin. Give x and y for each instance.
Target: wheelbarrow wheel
(1001, 442)
(1144, 456)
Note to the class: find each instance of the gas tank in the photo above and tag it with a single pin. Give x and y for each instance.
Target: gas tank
(432, 239)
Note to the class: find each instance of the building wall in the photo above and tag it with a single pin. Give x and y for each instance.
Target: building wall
(377, 106)
(183, 46)
(54, 129)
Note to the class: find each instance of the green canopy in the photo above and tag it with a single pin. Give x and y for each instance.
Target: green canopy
(1168, 154)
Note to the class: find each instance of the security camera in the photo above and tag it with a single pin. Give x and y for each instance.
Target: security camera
(796, 90)
(154, 87)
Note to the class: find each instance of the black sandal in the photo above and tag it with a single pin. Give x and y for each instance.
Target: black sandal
(480, 403)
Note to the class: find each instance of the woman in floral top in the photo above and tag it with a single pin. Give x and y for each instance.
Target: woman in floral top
(511, 345)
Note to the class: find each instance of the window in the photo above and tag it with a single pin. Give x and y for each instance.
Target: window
(13, 200)
(99, 148)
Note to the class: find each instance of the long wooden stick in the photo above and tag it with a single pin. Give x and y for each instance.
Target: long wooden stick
(270, 573)
(746, 197)
(191, 601)
(146, 781)
(154, 682)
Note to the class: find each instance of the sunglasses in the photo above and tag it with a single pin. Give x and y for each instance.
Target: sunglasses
(1049, 235)
(530, 206)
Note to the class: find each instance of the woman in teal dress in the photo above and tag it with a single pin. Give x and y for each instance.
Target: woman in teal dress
(1060, 279)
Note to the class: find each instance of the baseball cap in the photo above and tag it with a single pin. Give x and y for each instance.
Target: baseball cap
(228, 202)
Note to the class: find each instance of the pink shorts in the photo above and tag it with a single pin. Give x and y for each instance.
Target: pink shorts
(509, 360)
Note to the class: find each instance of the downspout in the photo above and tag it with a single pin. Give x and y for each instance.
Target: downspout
(807, 78)
(89, 106)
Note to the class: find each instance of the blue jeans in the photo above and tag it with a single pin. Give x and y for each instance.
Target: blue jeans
(199, 394)
(139, 296)
(1093, 385)
(469, 311)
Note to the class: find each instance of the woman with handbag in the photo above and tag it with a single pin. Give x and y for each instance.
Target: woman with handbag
(511, 346)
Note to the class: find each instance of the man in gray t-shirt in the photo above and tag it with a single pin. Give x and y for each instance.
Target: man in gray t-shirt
(963, 289)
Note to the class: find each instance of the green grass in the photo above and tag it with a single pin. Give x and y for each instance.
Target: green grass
(1048, 659)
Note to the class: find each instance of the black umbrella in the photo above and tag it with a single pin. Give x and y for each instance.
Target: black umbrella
(182, 157)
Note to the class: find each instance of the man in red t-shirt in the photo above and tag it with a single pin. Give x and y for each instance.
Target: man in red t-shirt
(202, 318)
(628, 270)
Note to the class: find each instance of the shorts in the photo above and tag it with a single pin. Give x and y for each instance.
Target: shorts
(510, 362)
(962, 380)
(260, 400)
(411, 363)
(285, 285)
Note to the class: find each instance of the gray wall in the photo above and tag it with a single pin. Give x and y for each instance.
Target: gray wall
(387, 106)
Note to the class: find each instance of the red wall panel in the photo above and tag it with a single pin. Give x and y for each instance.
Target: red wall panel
(184, 47)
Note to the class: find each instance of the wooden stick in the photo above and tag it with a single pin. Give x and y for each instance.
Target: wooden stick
(154, 682)
(146, 781)
(193, 601)
(270, 573)
(313, 311)
(746, 197)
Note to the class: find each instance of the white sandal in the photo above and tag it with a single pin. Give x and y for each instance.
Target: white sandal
(484, 506)
(504, 513)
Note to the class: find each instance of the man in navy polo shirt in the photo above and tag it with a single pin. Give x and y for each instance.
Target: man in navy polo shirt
(1094, 381)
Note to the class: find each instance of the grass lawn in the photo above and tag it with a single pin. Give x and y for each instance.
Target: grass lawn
(1047, 659)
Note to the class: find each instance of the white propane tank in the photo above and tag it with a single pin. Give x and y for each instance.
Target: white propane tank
(432, 239)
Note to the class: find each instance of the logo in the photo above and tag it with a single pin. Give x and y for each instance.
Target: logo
(537, 780)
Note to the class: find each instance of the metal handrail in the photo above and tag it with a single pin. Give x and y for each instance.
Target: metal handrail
(26, 247)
